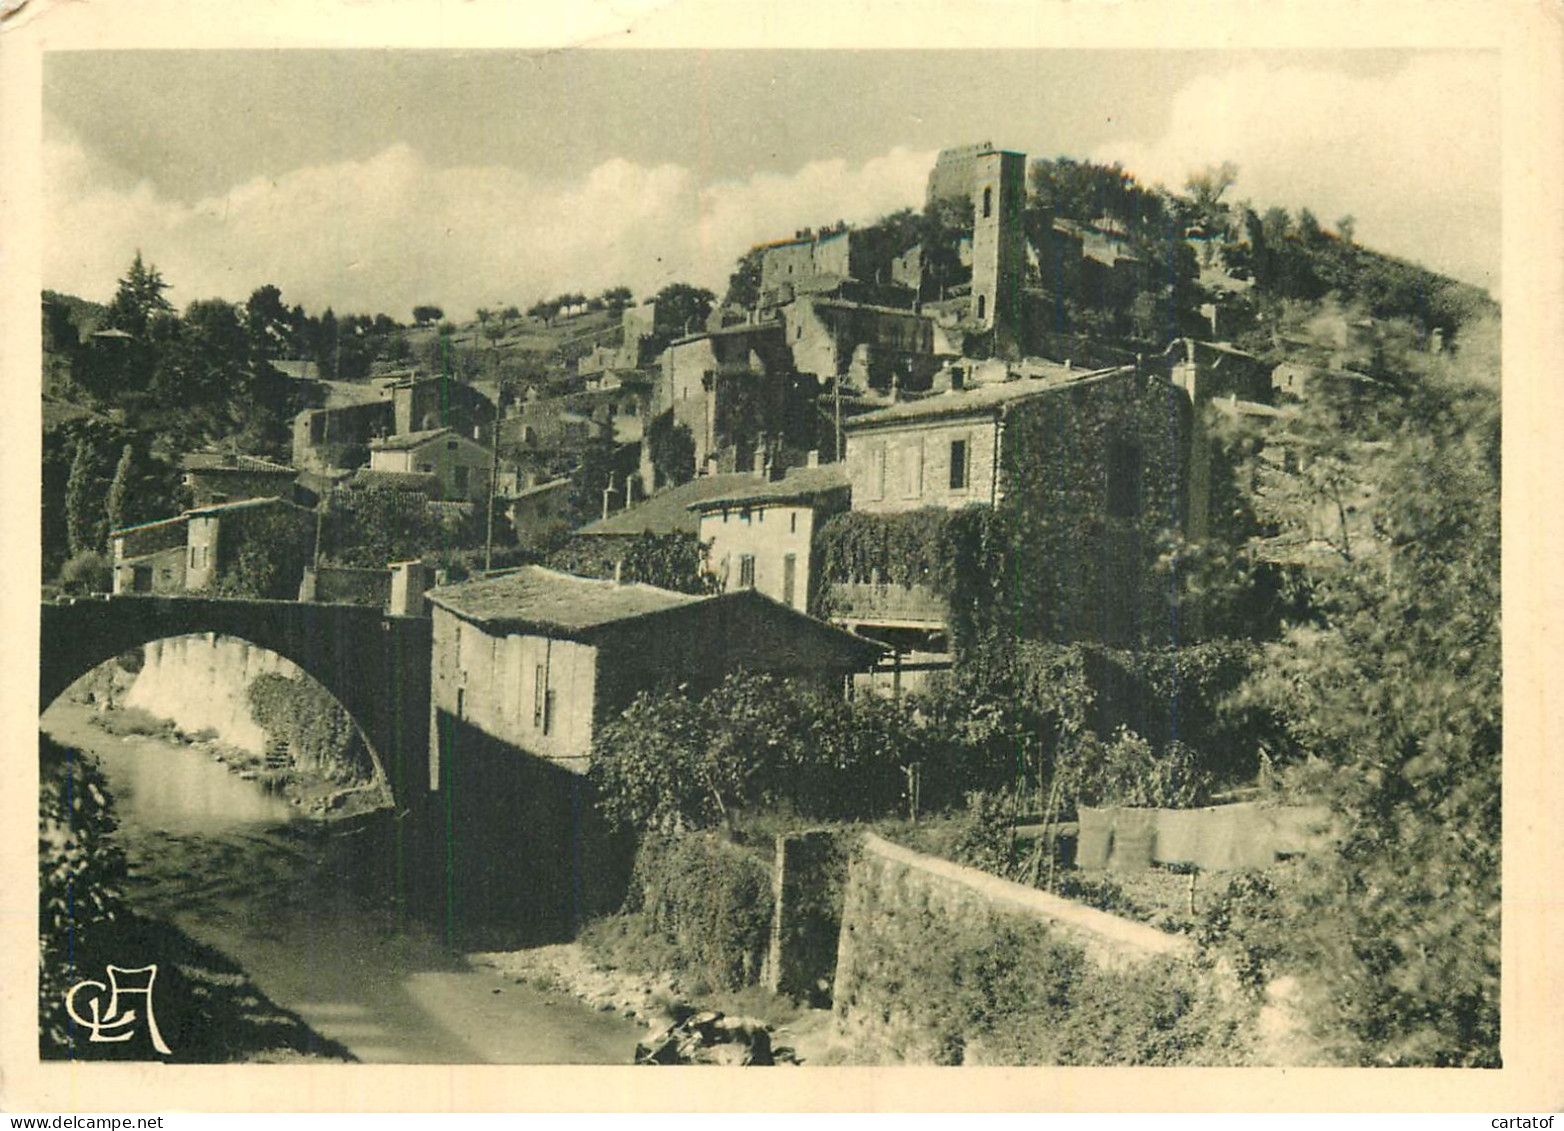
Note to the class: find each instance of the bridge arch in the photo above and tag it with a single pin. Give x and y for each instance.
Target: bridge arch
(377, 666)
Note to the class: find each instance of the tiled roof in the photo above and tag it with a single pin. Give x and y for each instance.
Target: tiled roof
(296, 368)
(983, 399)
(534, 597)
(544, 488)
(798, 483)
(177, 520)
(407, 440)
(241, 504)
(667, 512)
(225, 461)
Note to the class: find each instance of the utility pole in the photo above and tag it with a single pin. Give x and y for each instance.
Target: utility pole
(494, 475)
(836, 398)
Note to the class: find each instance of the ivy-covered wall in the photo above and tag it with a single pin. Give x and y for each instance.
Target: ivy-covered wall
(1092, 482)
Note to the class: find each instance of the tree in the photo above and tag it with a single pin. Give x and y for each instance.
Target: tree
(617, 298)
(1086, 192)
(266, 556)
(668, 561)
(544, 309)
(266, 321)
(1392, 694)
(119, 489)
(1346, 226)
(83, 524)
(139, 297)
(1206, 189)
(424, 315)
(682, 309)
(671, 446)
(596, 470)
(744, 283)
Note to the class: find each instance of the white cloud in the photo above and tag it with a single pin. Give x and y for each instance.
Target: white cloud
(391, 231)
(1414, 155)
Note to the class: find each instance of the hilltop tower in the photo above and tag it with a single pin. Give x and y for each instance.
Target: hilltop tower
(998, 243)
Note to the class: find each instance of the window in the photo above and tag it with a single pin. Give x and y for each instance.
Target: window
(539, 700)
(1124, 480)
(461, 702)
(450, 445)
(789, 578)
(912, 470)
(958, 465)
(988, 201)
(982, 307)
(746, 571)
(792, 523)
(426, 468)
(876, 484)
(192, 557)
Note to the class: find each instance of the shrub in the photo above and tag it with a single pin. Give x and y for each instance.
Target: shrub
(87, 572)
(1129, 771)
(674, 760)
(711, 900)
(80, 873)
(321, 736)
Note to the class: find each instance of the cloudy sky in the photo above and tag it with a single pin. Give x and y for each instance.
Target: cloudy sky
(374, 180)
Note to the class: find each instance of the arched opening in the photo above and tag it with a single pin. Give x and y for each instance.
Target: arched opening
(982, 307)
(167, 841)
(988, 201)
(291, 747)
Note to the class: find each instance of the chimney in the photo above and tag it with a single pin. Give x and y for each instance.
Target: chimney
(409, 580)
(619, 572)
(958, 378)
(812, 459)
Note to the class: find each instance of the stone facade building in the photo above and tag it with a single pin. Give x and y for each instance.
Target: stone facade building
(220, 477)
(462, 466)
(188, 552)
(760, 534)
(538, 659)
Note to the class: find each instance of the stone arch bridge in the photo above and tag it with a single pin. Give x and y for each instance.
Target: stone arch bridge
(376, 665)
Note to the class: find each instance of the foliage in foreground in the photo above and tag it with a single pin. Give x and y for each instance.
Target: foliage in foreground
(1395, 693)
(81, 871)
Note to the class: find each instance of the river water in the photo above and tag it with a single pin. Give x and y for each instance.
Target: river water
(290, 901)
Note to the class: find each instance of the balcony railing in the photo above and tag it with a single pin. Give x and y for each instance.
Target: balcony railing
(914, 606)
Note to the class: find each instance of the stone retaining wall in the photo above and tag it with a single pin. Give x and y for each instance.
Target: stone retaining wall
(926, 945)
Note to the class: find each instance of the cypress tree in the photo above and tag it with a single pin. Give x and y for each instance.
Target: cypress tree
(81, 494)
(119, 489)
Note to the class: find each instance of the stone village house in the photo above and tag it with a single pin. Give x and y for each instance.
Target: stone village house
(1102, 455)
(538, 659)
(223, 477)
(187, 552)
(462, 466)
(759, 534)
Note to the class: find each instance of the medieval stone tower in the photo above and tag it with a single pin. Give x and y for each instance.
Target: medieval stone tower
(995, 181)
(998, 242)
